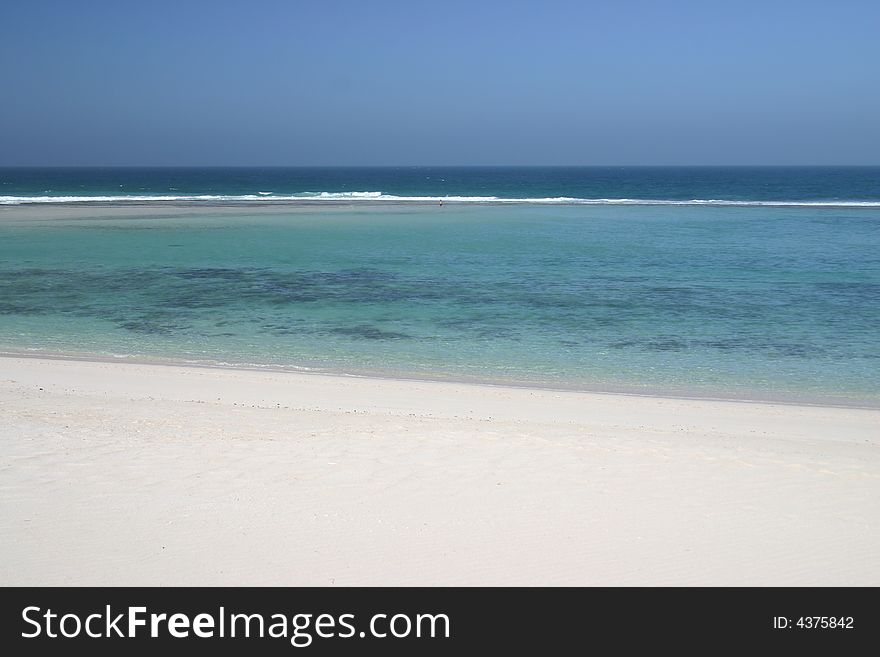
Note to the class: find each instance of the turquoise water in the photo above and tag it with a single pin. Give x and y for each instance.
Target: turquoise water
(732, 301)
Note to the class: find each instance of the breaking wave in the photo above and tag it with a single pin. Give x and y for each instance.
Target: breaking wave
(369, 196)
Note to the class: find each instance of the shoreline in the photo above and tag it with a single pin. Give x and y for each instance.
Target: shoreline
(126, 474)
(440, 377)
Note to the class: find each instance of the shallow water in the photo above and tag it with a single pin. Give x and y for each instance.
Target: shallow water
(757, 302)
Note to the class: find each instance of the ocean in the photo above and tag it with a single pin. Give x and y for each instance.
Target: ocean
(737, 282)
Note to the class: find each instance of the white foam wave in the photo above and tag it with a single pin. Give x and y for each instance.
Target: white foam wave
(309, 197)
(19, 200)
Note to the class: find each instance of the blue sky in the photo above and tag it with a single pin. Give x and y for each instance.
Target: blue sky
(445, 82)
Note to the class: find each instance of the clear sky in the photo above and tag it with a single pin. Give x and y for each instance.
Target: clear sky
(324, 82)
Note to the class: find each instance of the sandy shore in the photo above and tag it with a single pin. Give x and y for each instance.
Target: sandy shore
(128, 474)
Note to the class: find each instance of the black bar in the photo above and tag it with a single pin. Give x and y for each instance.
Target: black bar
(536, 620)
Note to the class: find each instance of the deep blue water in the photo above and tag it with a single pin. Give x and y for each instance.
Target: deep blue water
(740, 184)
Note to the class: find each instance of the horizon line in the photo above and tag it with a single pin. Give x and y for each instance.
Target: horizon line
(420, 166)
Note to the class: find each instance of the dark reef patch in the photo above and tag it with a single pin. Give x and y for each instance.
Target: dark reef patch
(368, 332)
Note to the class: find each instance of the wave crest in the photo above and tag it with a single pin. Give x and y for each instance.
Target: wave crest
(368, 196)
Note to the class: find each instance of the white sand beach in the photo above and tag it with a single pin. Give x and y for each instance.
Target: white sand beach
(132, 474)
